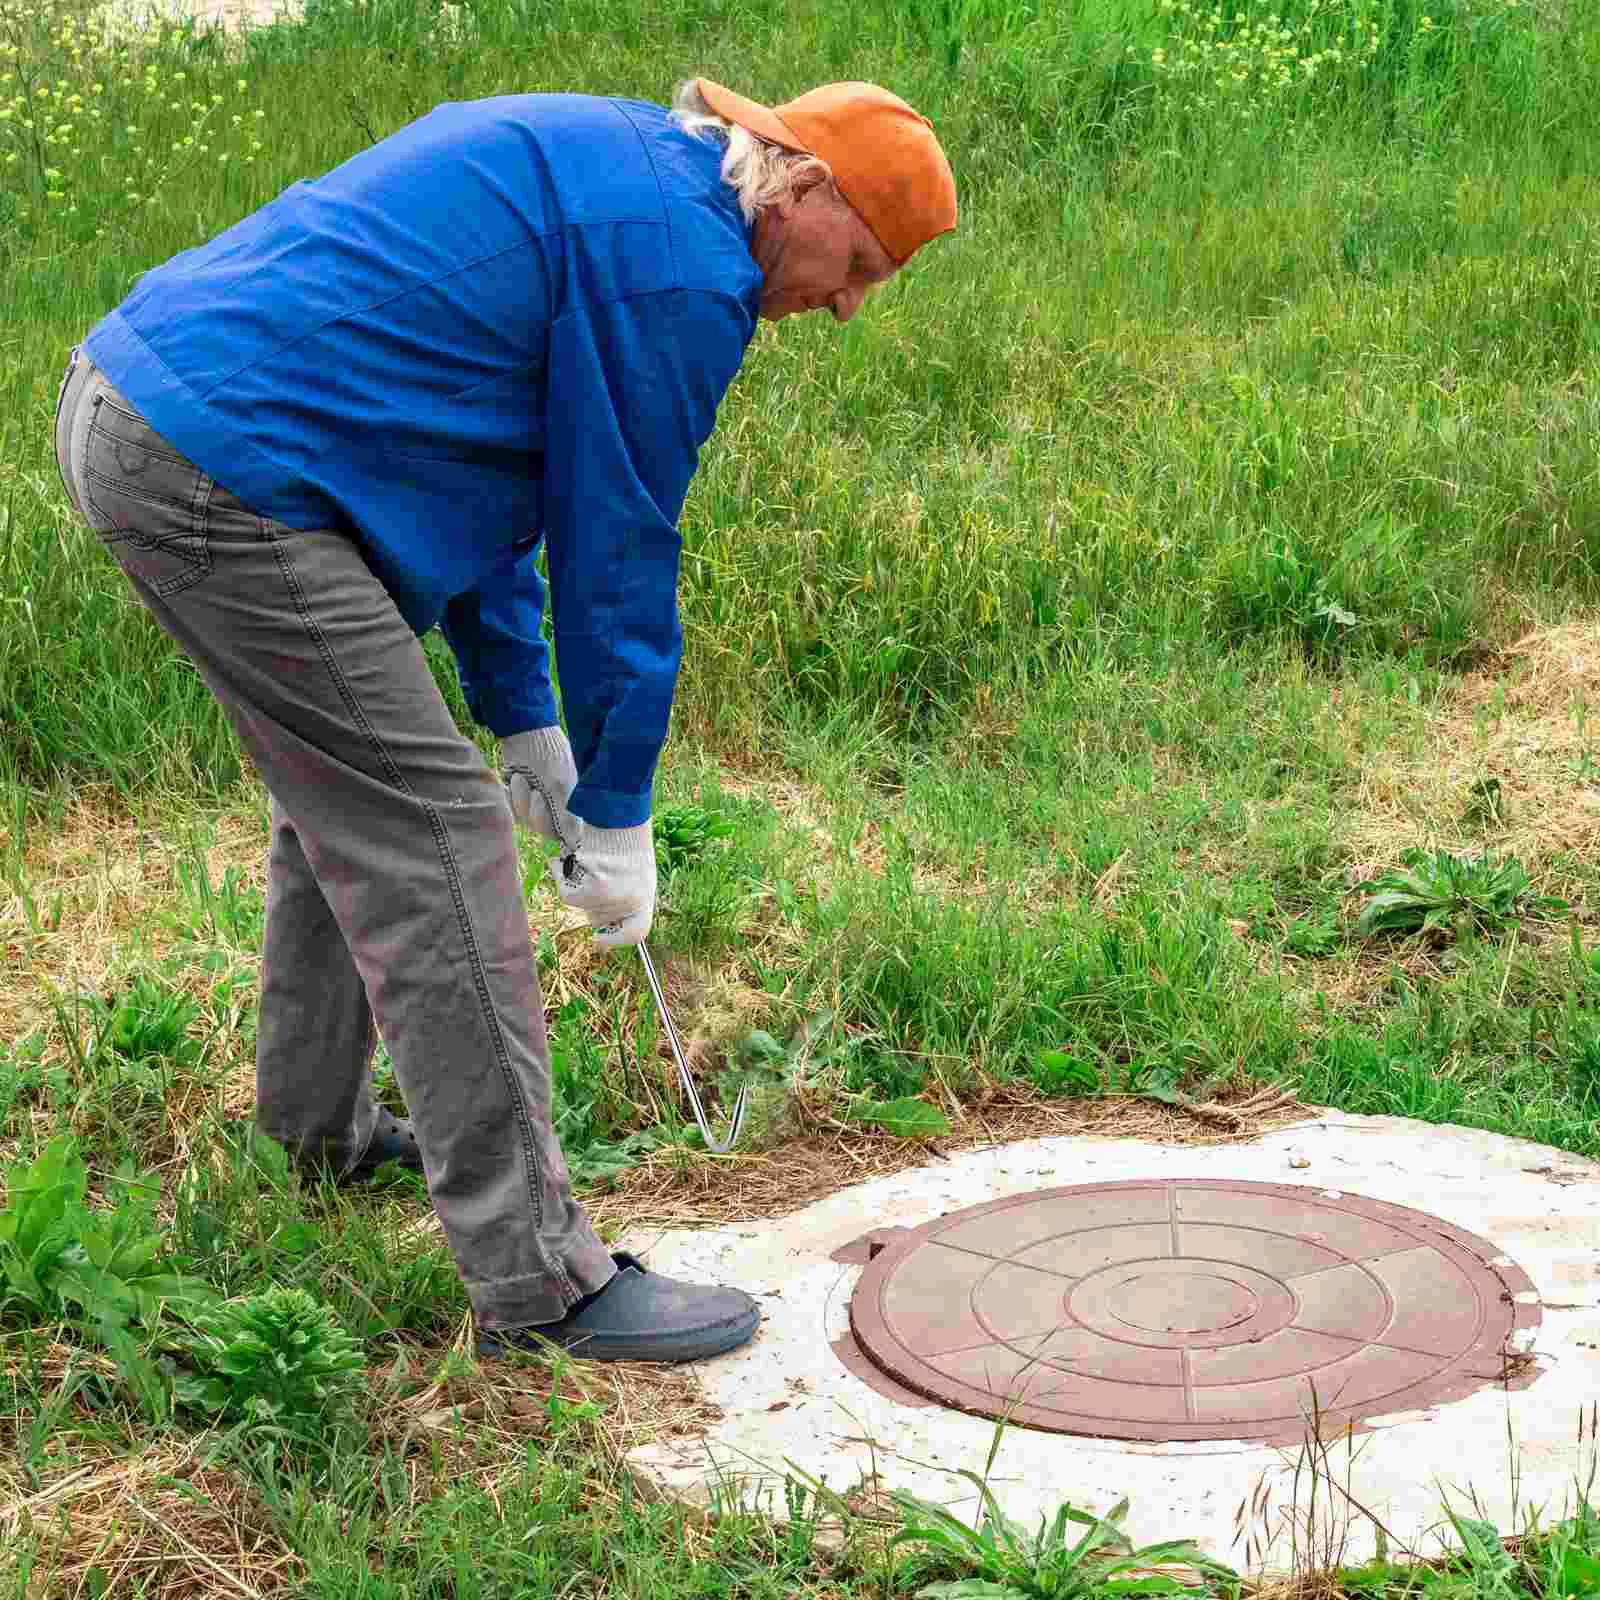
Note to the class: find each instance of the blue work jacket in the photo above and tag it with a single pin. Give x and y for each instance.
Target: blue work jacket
(511, 321)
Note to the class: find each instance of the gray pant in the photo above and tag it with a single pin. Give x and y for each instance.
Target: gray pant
(394, 890)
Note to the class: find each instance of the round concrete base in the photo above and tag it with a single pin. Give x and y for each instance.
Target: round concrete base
(790, 1402)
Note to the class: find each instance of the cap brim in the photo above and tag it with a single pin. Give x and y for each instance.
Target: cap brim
(759, 119)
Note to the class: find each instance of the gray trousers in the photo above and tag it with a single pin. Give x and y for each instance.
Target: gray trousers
(394, 898)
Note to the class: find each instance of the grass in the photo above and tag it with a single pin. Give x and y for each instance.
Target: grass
(1075, 642)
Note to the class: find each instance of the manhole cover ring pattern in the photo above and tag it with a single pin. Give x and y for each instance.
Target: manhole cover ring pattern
(1172, 1310)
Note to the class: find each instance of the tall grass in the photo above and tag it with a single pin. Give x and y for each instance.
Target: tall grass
(1188, 373)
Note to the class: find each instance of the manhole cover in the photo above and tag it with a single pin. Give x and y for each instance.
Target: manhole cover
(1173, 1310)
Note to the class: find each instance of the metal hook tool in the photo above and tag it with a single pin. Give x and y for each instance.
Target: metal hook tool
(740, 1104)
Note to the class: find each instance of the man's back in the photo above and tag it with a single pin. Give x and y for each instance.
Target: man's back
(372, 349)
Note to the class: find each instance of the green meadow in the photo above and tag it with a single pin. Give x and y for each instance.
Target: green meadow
(1144, 660)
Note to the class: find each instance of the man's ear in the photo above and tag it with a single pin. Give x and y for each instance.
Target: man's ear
(807, 179)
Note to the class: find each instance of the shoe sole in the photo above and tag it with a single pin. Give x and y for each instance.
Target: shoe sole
(700, 1345)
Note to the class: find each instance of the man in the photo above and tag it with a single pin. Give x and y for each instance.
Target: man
(357, 414)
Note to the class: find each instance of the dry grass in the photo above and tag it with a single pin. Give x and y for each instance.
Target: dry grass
(159, 1518)
(163, 1517)
(95, 884)
(518, 1399)
(1359, 977)
(1531, 723)
(1519, 725)
(104, 888)
(676, 1189)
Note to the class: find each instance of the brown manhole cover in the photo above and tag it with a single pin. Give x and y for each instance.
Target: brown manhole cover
(1189, 1310)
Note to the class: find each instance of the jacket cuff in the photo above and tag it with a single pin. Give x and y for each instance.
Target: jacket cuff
(606, 808)
(533, 705)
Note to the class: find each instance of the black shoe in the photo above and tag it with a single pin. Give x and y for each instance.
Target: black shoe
(392, 1140)
(640, 1316)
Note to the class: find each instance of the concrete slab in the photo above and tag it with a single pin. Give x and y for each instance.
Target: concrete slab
(789, 1401)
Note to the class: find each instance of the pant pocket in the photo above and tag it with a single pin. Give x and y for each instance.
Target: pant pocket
(145, 501)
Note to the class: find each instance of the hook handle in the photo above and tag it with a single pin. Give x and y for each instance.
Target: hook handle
(740, 1104)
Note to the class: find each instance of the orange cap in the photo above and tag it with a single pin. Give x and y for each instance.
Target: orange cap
(885, 158)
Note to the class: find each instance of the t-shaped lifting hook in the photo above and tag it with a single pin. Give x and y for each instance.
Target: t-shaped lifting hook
(740, 1104)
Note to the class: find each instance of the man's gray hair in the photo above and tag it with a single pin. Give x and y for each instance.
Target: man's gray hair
(758, 171)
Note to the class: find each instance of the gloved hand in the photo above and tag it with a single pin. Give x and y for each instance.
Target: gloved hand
(611, 879)
(541, 775)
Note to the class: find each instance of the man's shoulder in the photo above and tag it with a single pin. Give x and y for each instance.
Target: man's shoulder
(582, 149)
(642, 203)
(709, 239)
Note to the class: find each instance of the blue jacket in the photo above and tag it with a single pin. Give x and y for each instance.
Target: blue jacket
(512, 320)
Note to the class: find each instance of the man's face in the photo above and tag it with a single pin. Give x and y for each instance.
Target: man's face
(815, 253)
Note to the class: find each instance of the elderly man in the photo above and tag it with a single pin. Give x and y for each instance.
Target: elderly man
(356, 415)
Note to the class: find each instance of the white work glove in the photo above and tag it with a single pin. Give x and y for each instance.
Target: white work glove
(541, 775)
(611, 879)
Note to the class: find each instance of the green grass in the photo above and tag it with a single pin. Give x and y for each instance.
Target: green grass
(1055, 635)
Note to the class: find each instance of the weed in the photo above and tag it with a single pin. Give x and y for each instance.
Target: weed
(1057, 1560)
(872, 1070)
(149, 1022)
(1362, 596)
(706, 902)
(276, 1357)
(591, 1107)
(1562, 1561)
(1488, 1567)
(98, 1268)
(761, 1061)
(230, 914)
(1439, 891)
(1585, 1070)
(1485, 805)
(1242, 62)
(683, 833)
(1297, 59)
(235, 1211)
(1060, 1072)
(22, 1073)
(905, 1119)
(1314, 936)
